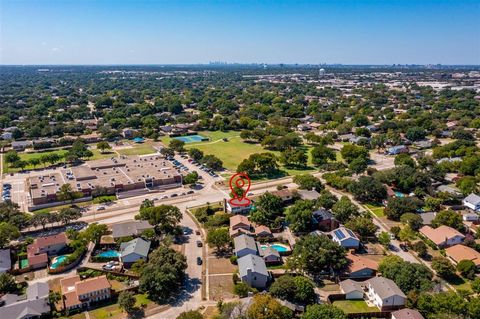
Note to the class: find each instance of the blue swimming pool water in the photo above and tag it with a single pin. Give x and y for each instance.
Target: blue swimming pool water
(57, 261)
(109, 253)
(191, 138)
(279, 248)
(399, 194)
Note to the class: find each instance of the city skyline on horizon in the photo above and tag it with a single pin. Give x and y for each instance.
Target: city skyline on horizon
(301, 32)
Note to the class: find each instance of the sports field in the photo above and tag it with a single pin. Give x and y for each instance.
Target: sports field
(233, 150)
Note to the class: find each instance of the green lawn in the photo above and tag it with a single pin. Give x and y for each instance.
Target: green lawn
(460, 283)
(377, 210)
(236, 150)
(142, 300)
(354, 306)
(138, 149)
(29, 156)
(112, 311)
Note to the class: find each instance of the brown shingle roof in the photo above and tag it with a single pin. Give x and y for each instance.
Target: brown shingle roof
(358, 263)
(92, 284)
(440, 234)
(460, 252)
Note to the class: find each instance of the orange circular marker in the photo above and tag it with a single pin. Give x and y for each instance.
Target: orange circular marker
(240, 199)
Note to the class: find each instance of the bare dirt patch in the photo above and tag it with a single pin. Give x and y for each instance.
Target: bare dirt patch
(221, 287)
(220, 266)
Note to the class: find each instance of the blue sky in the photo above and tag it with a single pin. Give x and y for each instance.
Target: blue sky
(269, 31)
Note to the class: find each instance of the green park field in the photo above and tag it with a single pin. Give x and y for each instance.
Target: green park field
(234, 150)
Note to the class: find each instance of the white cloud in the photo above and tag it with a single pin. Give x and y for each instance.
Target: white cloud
(55, 49)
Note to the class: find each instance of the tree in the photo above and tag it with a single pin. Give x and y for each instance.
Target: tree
(363, 226)
(8, 232)
(66, 215)
(322, 154)
(408, 276)
(421, 248)
(293, 157)
(12, 157)
(34, 161)
(467, 185)
(384, 239)
(195, 154)
(191, 178)
(414, 220)
(269, 207)
(95, 231)
(368, 189)
(448, 218)
(126, 301)
(165, 218)
(476, 285)
(79, 150)
(415, 133)
(398, 206)
(176, 145)
(299, 216)
(442, 305)
(191, 314)
(259, 164)
(443, 267)
(466, 268)
(326, 199)
(358, 165)
(212, 162)
(344, 209)
(315, 254)
(41, 218)
(404, 159)
(294, 289)
(167, 152)
(163, 274)
(407, 234)
(351, 152)
(218, 238)
(66, 193)
(103, 146)
(147, 203)
(7, 283)
(309, 182)
(324, 311)
(264, 306)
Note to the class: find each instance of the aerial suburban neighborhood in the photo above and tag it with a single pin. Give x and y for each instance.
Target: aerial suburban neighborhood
(140, 180)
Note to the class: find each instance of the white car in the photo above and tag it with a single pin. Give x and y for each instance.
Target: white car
(100, 208)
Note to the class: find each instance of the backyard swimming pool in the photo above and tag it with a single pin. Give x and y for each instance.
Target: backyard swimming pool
(192, 138)
(277, 247)
(57, 261)
(109, 254)
(399, 194)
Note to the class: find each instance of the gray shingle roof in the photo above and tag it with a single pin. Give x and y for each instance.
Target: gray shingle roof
(129, 228)
(385, 287)
(35, 303)
(5, 261)
(350, 286)
(473, 199)
(137, 246)
(244, 241)
(253, 262)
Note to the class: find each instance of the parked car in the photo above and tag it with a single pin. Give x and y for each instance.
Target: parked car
(100, 208)
(199, 243)
(199, 261)
(174, 195)
(403, 247)
(190, 192)
(197, 232)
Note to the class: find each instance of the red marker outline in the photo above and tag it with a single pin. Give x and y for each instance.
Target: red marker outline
(240, 182)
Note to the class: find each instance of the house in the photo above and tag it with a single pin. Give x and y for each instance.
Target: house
(399, 149)
(308, 195)
(239, 225)
(129, 228)
(21, 145)
(91, 138)
(345, 137)
(352, 289)
(361, 267)
(129, 133)
(270, 255)
(263, 231)
(424, 144)
(442, 236)
(285, 194)
(253, 271)
(458, 253)
(237, 209)
(345, 238)
(472, 201)
(34, 304)
(324, 220)
(43, 247)
(449, 190)
(385, 294)
(470, 217)
(303, 127)
(5, 261)
(245, 245)
(78, 294)
(406, 313)
(134, 250)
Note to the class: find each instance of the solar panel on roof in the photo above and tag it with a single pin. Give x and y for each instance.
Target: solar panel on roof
(350, 232)
(339, 234)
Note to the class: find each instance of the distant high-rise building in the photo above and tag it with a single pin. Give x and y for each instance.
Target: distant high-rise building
(321, 73)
